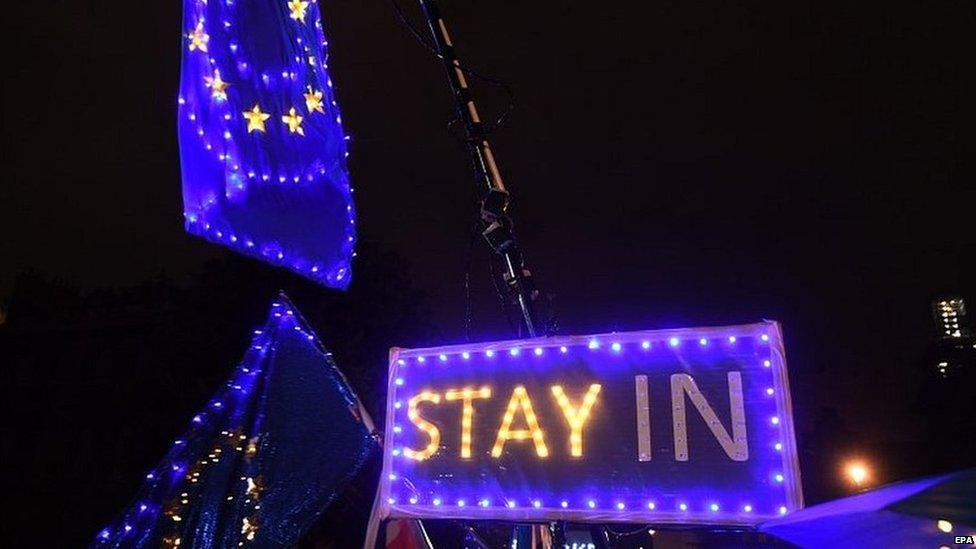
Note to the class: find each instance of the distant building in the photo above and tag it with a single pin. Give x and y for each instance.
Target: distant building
(950, 316)
(956, 345)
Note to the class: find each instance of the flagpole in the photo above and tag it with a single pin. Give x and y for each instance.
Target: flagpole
(498, 228)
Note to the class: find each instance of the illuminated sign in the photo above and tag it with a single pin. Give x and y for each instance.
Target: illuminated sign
(670, 426)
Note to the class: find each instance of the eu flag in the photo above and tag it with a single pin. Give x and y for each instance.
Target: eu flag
(262, 460)
(262, 148)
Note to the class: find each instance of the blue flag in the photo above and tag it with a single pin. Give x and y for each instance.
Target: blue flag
(262, 148)
(264, 458)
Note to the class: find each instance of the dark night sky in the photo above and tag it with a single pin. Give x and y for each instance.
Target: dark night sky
(673, 164)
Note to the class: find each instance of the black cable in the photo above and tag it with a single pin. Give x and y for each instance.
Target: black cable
(419, 37)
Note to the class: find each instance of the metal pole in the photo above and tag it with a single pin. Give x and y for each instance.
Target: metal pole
(498, 227)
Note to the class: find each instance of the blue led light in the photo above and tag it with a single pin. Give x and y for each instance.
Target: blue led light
(615, 347)
(538, 351)
(514, 351)
(563, 349)
(593, 344)
(732, 339)
(674, 342)
(466, 355)
(442, 357)
(645, 345)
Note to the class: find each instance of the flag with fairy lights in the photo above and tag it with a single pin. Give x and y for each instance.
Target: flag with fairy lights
(262, 148)
(263, 459)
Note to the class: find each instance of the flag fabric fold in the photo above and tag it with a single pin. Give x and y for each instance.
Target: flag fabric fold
(262, 148)
(263, 459)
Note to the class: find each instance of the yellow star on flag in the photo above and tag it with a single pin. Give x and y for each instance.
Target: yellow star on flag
(218, 88)
(198, 38)
(313, 101)
(297, 8)
(294, 121)
(255, 119)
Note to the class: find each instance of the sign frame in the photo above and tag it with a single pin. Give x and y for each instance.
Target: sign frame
(768, 332)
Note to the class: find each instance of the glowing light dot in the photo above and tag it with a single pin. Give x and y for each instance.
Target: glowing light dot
(397, 451)
(399, 381)
(564, 504)
(391, 501)
(460, 503)
(591, 504)
(645, 345)
(731, 339)
(413, 500)
(857, 473)
(484, 503)
(465, 355)
(563, 349)
(703, 341)
(510, 504)
(674, 342)
(398, 404)
(944, 525)
(714, 507)
(593, 344)
(683, 506)
(778, 477)
(397, 429)
(421, 359)
(514, 351)
(402, 362)
(615, 347)
(767, 363)
(782, 509)
(651, 505)
(778, 446)
(774, 420)
(747, 508)
(538, 351)
(489, 353)
(536, 504)
(437, 501)
(442, 357)
(764, 337)
(392, 476)
(770, 391)
(620, 506)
